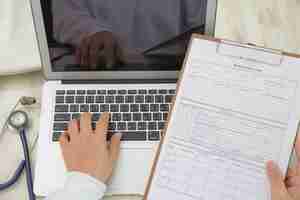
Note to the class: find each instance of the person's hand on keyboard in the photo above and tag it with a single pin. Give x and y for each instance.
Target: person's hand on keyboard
(285, 188)
(86, 150)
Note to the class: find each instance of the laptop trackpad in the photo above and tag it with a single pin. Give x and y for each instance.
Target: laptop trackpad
(132, 172)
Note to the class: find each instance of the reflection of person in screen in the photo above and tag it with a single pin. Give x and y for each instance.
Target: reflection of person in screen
(99, 29)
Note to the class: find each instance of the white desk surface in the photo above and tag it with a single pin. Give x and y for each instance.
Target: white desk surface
(272, 23)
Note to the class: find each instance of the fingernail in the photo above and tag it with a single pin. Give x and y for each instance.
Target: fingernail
(269, 164)
(106, 114)
(272, 166)
(119, 134)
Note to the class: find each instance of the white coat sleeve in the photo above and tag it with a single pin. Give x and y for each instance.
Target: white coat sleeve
(79, 186)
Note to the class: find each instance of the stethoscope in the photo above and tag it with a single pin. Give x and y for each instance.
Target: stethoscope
(18, 120)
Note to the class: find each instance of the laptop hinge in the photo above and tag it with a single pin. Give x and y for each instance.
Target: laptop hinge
(120, 81)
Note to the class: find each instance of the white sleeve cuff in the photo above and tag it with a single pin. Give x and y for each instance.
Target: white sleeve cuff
(83, 186)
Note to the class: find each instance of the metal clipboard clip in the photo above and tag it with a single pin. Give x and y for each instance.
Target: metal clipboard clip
(250, 52)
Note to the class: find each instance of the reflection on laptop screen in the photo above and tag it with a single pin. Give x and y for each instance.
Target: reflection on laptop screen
(121, 35)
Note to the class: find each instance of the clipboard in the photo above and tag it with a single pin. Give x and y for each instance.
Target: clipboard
(220, 42)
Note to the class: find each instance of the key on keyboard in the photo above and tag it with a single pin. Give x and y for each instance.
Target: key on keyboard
(70, 99)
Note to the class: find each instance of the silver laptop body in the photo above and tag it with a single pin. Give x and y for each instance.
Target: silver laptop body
(138, 98)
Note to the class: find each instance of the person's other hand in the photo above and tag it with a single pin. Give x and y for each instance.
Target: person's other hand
(285, 188)
(86, 150)
(100, 47)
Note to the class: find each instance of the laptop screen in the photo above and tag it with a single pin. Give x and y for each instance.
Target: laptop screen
(95, 35)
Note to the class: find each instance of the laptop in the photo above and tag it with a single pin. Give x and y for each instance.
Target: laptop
(137, 92)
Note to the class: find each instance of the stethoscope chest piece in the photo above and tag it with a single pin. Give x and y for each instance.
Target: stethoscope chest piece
(18, 119)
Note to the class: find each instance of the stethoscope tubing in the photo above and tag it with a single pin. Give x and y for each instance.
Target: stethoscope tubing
(14, 178)
(29, 180)
(24, 164)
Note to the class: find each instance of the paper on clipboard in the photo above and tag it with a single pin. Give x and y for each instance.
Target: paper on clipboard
(231, 115)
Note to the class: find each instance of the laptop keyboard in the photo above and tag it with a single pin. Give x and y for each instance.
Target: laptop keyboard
(139, 114)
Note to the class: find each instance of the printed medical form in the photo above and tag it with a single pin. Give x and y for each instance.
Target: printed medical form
(236, 108)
